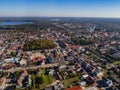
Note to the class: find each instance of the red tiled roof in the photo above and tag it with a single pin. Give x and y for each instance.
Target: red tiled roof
(38, 59)
(75, 88)
(73, 46)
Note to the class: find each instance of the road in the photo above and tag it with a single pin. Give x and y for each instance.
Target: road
(32, 67)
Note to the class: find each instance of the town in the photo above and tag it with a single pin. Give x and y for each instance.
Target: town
(60, 54)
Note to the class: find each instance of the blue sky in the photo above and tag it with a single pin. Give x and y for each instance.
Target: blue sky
(60, 8)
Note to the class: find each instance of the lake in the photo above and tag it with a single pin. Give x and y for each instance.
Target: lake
(14, 23)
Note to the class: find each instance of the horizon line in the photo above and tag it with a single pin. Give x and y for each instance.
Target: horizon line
(54, 17)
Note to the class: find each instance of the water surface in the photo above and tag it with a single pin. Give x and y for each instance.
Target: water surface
(14, 23)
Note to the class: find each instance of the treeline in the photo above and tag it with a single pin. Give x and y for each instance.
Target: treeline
(39, 44)
(82, 41)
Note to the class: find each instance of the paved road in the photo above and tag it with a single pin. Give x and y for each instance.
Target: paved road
(32, 67)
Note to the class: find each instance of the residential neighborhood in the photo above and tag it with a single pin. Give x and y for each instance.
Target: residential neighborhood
(59, 56)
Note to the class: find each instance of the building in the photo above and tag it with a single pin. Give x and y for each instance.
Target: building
(75, 88)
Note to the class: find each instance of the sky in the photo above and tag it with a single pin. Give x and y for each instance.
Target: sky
(60, 8)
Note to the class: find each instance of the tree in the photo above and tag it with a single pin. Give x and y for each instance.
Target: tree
(39, 44)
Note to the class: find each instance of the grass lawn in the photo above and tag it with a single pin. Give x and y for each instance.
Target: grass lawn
(46, 78)
(71, 81)
(116, 62)
(105, 72)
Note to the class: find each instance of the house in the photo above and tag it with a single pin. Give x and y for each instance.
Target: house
(8, 60)
(115, 78)
(90, 80)
(108, 82)
(111, 88)
(116, 54)
(98, 72)
(1, 69)
(15, 60)
(1, 85)
(82, 83)
(70, 58)
(51, 72)
(62, 67)
(29, 81)
(75, 88)
(37, 56)
(48, 59)
(105, 83)
(58, 86)
(22, 82)
(49, 88)
(23, 62)
(7, 66)
(85, 76)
